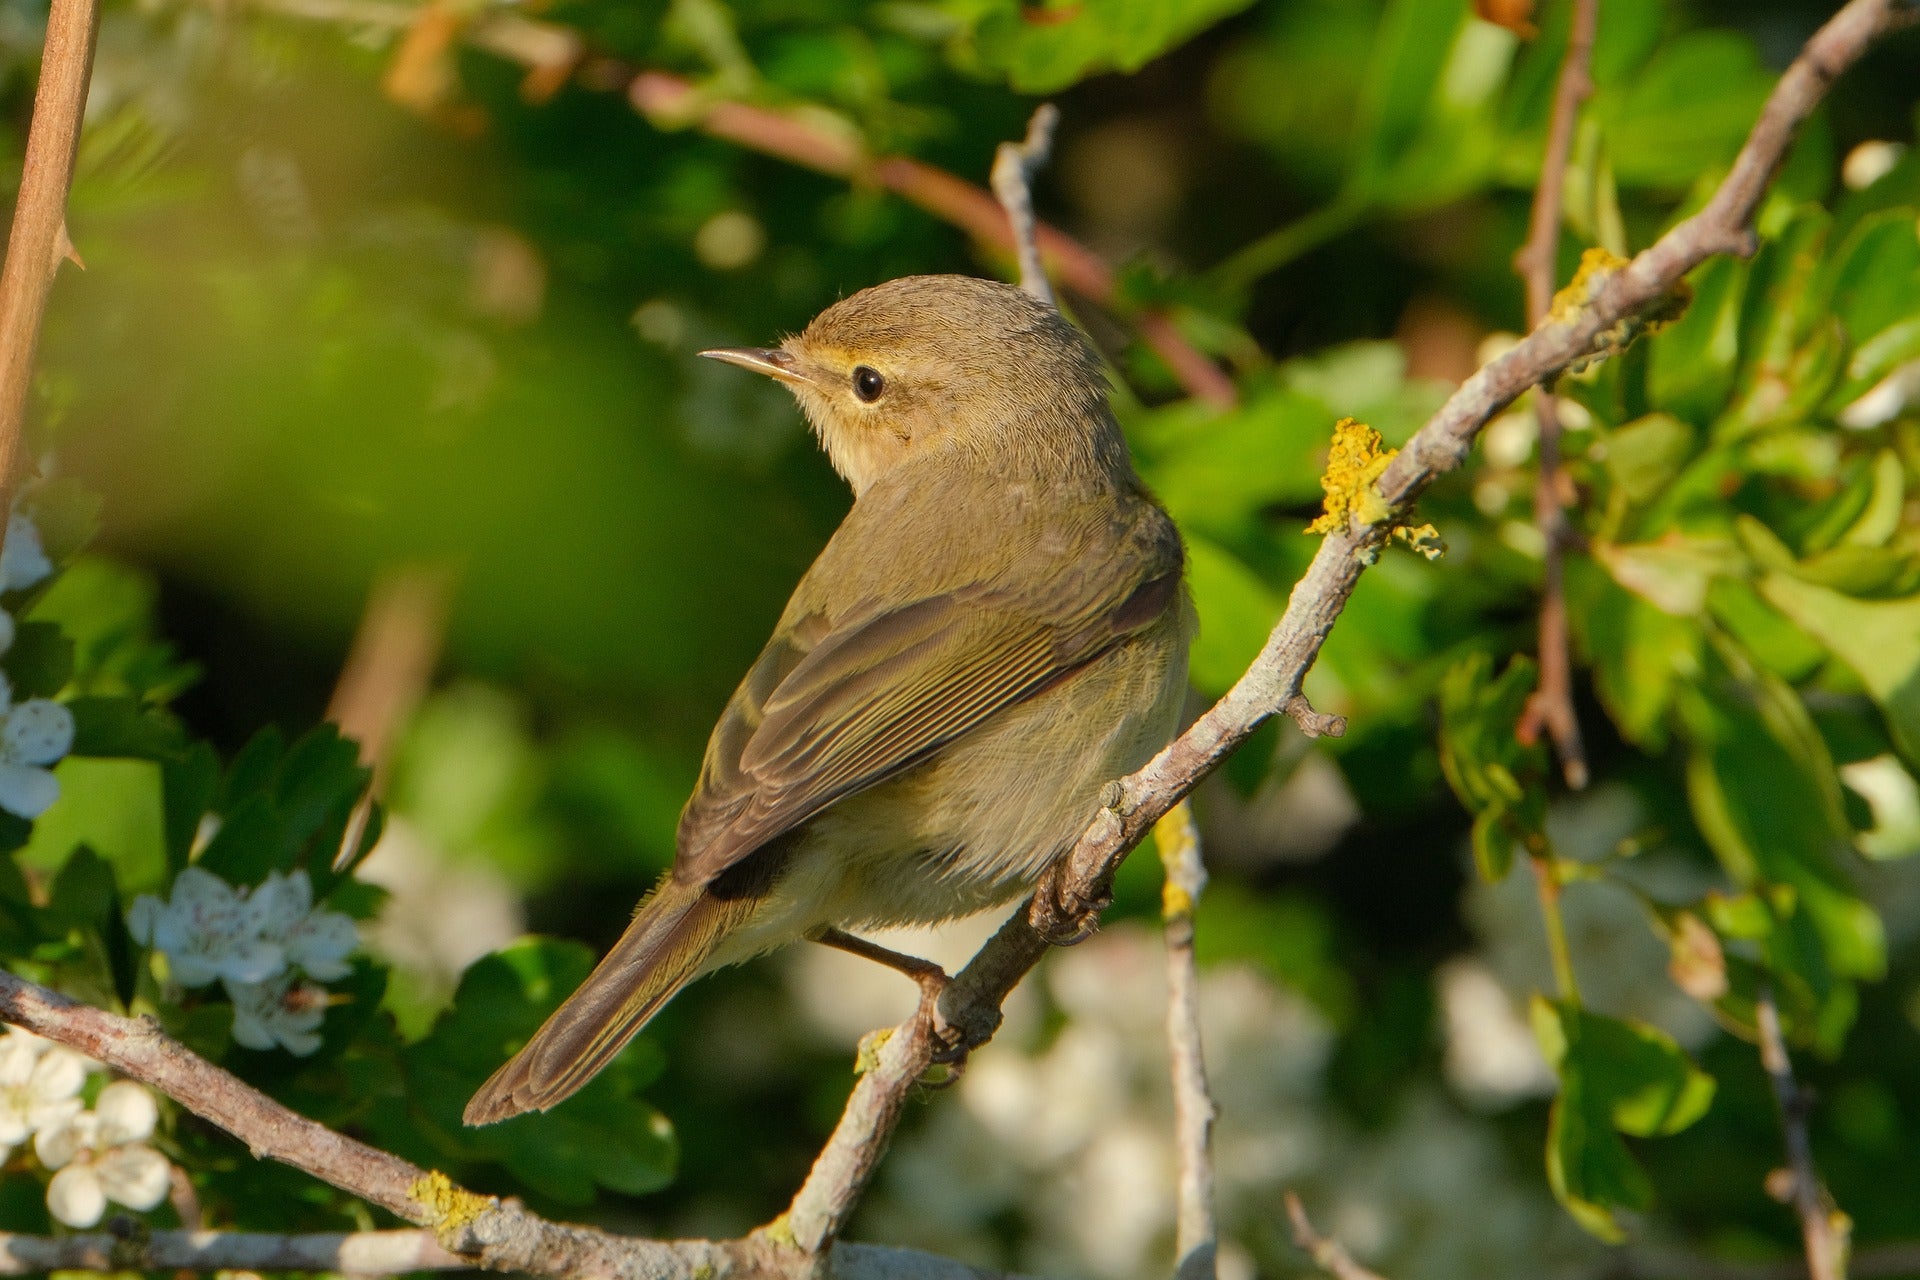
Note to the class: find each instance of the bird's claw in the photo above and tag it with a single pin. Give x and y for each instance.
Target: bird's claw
(1062, 914)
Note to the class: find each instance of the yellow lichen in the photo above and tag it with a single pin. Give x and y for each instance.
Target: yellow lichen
(867, 1056)
(1353, 466)
(450, 1208)
(779, 1232)
(1597, 266)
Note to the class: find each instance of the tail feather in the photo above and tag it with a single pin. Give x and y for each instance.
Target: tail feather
(672, 934)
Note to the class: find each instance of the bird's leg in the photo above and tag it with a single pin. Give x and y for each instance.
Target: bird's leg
(930, 977)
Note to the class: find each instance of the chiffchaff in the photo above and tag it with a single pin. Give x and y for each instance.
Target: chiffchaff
(996, 630)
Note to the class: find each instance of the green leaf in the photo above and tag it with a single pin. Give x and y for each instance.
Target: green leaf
(123, 726)
(1686, 112)
(40, 662)
(112, 808)
(83, 892)
(1410, 52)
(602, 1136)
(1496, 776)
(1690, 364)
(189, 785)
(67, 514)
(1878, 639)
(1766, 797)
(1615, 1077)
(1236, 613)
(1869, 279)
(1641, 656)
(1046, 48)
(108, 610)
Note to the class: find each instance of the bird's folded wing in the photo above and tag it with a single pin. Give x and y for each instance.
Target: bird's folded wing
(828, 711)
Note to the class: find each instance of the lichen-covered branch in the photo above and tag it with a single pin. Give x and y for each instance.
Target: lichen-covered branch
(1196, 1234)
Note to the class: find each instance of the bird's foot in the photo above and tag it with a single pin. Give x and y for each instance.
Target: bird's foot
(1064, 914)
(951, 1043)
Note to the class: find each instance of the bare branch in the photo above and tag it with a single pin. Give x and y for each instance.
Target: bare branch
(1196, 1234)
(498, 1234)
(38, 242)
(1822, 1229)
(1014, 165)
(1329, 1255)
(1551, 707)
(368, 1253)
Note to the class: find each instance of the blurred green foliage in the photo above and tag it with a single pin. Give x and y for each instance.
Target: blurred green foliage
(322, 334)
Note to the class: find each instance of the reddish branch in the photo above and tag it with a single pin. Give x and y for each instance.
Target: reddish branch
(1551, 707)
(1822, 1235)
(38, 241)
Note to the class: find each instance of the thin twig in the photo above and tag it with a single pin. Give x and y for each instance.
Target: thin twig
(1014, 164)
(386, 675)
(38, 242)
(1329, 1255)
(1822, 1230)
(1196, 1239)
(367, 1253)
(1551, 706)
(1270, 686)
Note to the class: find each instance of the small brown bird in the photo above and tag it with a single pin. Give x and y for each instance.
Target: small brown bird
(996, 630)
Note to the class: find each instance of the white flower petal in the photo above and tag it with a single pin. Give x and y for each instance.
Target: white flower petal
(27, 791)
(38, 731)
(251, 961)
(57, 1145)
(250, 1009)
(23, 562)
(197, 890)
(143, 918)
(75, 1198)
(135, 1176)
(59, 1075)
(6, 694)
(190, 970)
(298, 1041)
(53, 1115)
(127, 1113)
(321, 944)
(18, 1057)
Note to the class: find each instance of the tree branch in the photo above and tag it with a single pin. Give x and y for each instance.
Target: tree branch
(1329, 1255)
(1821, 1230)
(1196, 1234)
(38, 241)
(1551, 706)
(368, 1253)
(1014, 164)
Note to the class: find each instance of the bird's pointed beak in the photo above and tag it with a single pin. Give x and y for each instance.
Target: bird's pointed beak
(775, 362)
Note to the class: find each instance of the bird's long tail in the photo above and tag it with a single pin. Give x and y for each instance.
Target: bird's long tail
(672, 934)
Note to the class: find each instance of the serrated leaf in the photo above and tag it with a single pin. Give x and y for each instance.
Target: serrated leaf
(1878, 639)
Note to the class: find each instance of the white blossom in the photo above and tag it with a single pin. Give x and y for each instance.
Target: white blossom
(317, 942)
(23, 562)
(209, 929)
(33, 734)
(40, 1086)
(278, 1013)
(101, 1156)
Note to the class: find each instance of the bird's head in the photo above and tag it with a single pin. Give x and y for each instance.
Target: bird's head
(944, 362)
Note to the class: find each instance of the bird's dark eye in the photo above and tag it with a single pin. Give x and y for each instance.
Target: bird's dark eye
(867, 383)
